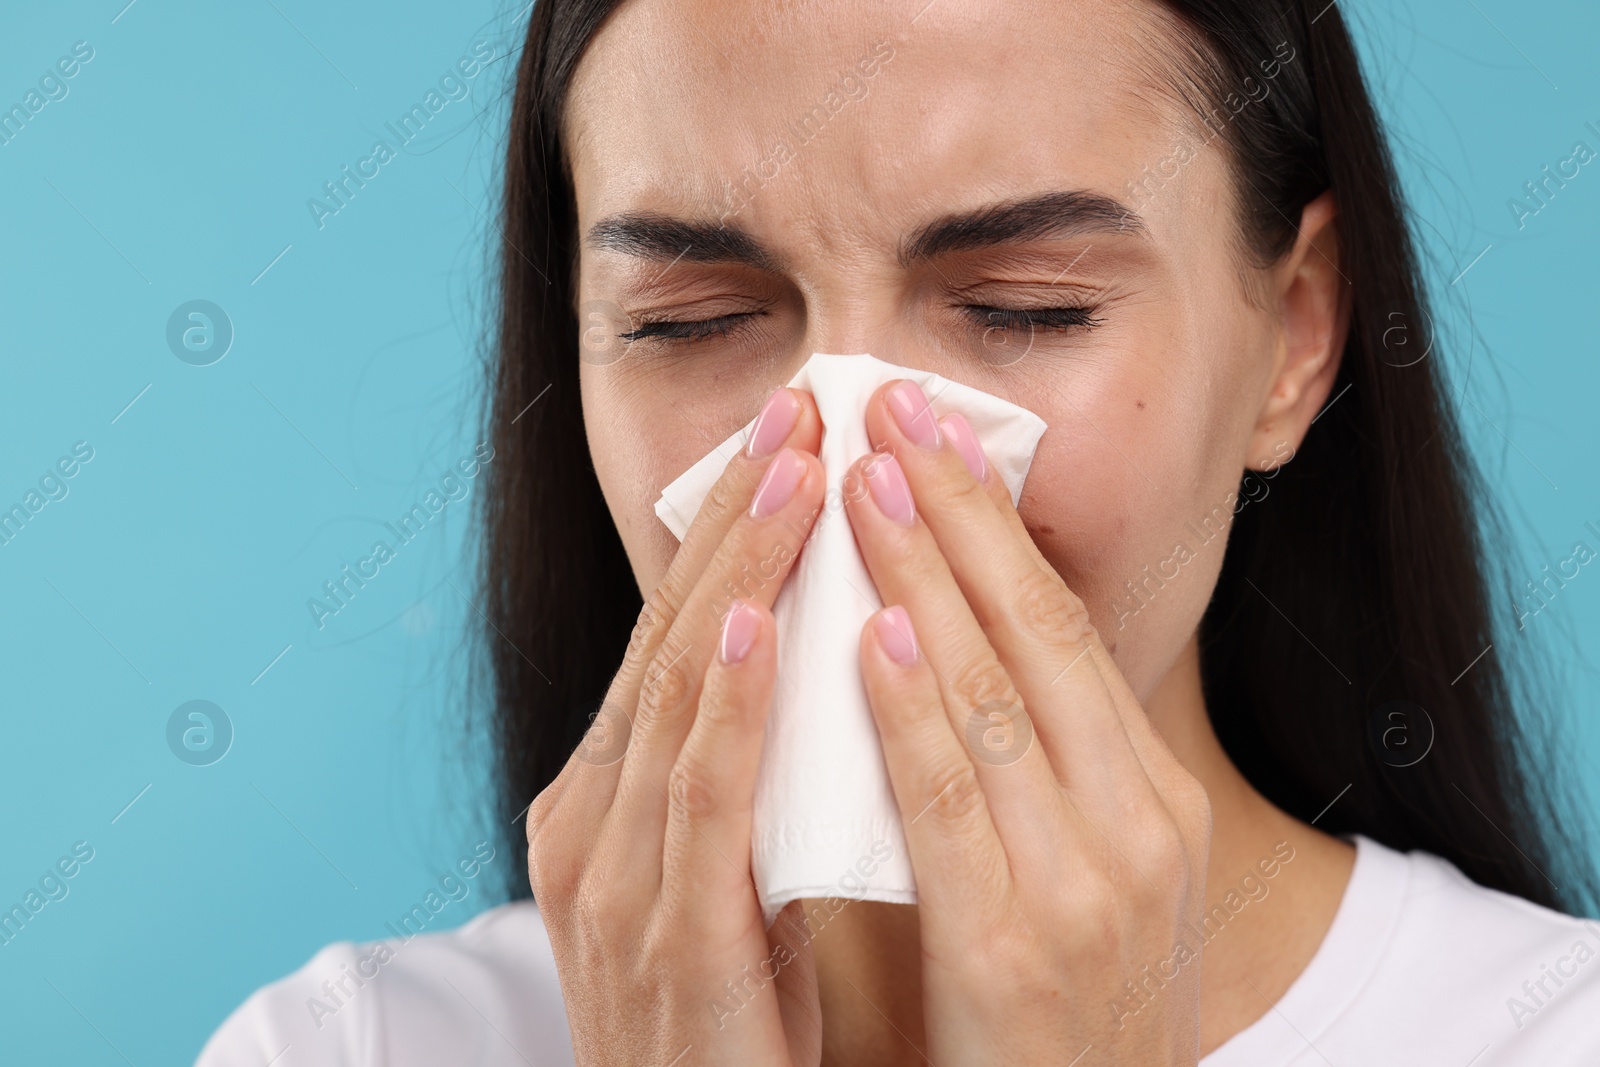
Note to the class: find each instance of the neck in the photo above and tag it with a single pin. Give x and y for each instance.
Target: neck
(1258, 933)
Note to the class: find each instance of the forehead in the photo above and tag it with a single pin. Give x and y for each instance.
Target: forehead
(849, 114)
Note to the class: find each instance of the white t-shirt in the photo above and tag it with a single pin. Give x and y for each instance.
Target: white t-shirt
(1420, 966)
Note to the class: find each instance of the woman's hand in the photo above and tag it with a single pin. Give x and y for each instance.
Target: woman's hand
(1059, 848)
(639, 851)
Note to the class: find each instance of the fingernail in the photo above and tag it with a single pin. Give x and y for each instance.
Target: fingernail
(739, 631)
(887, 483)
(778, 484)
(911, 412)
(899, 640)
(966, 442)
(772, 426)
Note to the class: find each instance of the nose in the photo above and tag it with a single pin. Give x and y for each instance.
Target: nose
(863, 316)
(901, 329)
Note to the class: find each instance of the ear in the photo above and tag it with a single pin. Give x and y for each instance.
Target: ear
(1312, 304)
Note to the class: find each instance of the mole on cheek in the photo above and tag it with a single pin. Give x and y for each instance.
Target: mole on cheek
(1140, 403)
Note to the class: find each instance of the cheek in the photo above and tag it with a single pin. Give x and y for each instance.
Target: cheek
(1104, 520)
(640, 438)
(634, 453)
(1131, 498)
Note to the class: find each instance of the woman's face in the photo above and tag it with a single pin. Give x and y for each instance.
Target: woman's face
(910, 180)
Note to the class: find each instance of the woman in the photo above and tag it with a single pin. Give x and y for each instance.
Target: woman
(1173, 231)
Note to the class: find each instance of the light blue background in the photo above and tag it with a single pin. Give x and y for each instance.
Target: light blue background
(179, 565)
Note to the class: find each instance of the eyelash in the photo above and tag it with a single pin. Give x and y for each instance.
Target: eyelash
(1050, 318)
(670, 331)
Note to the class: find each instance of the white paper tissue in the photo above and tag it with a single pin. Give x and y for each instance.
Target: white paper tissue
(825, 821)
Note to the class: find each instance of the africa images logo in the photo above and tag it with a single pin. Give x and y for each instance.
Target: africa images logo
(341, 590)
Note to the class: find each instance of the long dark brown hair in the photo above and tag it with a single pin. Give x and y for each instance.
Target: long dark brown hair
(1380, 541)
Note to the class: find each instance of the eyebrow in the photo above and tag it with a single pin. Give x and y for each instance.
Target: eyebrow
(660, 237)
(1034, 218)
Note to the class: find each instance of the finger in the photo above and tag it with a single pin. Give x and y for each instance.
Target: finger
(1148, 745)
(788, 419)
(705, 863)
(751, 563)
(982, 710)
(1114, 788)
(1039, 628)
(956, 853)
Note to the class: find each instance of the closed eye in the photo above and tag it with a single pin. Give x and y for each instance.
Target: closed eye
(981, 315)
(1049, 318)
(696, 330)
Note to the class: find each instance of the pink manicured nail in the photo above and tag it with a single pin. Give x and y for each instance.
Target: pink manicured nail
(966, 442)
(778, 484)
(887, 483)
(899, 640)
(912, 414)
(772, 426)
(739, 631)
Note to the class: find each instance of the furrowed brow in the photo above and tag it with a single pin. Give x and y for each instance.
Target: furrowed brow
(1055, 214)
(661, 237)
